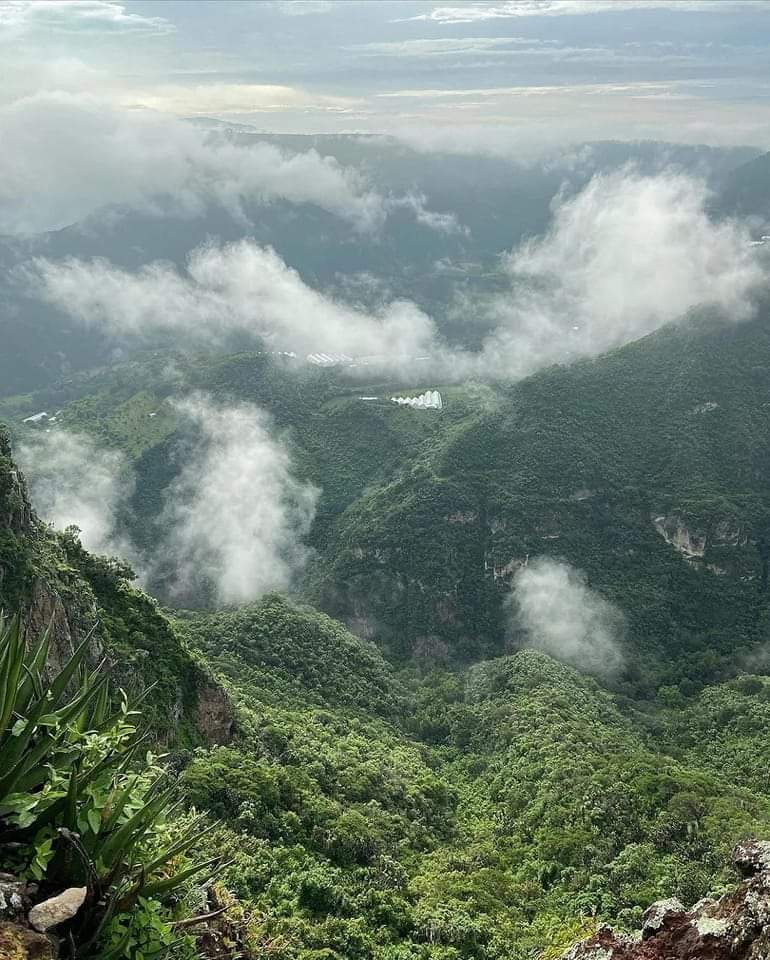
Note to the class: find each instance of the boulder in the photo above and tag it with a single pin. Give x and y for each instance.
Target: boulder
(752, 857)
(50, 913)
(655, 915)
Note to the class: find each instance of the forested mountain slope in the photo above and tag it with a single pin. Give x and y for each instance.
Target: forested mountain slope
(647, 468)
(746, 192)
(495, 812)
(49, 578)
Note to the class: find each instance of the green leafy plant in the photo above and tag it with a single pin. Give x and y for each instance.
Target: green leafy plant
(80, 807)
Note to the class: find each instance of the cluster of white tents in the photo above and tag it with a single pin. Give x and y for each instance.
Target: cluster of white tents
(430, 400)
(329, 359)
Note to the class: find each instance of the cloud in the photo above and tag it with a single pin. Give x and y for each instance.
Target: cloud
(236, 515)
(234, 518)
(530, 49)
(303, 8)
(71, 16)
(439, 222)
(240, 287)
(625, 256)
(555, 611)
(213, 98)
(73, 480)
(64, 156)
(444, 46)
(479, 12)
(622, 258)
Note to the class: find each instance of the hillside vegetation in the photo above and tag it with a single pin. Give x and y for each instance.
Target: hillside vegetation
(647, 468)
(433, 792)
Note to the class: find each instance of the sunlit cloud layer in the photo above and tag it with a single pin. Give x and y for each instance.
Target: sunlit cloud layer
(690, 70)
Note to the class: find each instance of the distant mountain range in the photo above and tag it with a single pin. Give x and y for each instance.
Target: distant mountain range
(497, 202)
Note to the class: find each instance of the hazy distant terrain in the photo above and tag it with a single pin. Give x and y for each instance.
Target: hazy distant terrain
(493, 205)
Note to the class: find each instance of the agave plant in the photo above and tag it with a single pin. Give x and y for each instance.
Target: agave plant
(76, 797)
(39, 720)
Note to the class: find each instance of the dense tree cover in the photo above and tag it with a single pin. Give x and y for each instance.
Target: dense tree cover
(423, 519)
(459, 797)
(498, 813)
(281, 654)
(579, 463)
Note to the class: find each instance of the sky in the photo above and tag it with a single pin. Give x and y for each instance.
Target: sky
(464, 75)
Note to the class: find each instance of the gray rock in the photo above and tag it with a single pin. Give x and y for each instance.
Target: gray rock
(14, 899)
(752, 857)
(52, 912)
(657, 912)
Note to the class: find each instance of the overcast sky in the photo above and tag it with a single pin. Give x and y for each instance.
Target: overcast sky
(475, 73)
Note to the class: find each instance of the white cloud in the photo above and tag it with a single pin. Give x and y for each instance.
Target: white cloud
(237, 287)
(525, 49)
(625, 256)
(73, 480)
(528, 90)
(444, 46)
(214, 98)
(69, 16)
(236, 515)
(555, 611)
(479, 12)
(303, 8)
(622, 258)
(234, 519)
(65, 156)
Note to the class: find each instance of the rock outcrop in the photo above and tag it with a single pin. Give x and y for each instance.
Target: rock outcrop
(734, 927)
(20, 943)
(14, 898)
(16, 514)
(215, 715)
(56, 910)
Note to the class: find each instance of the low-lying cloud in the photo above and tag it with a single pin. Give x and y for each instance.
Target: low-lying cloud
(236, 516)
(625, 256)
(234, 519)
(75, 481)
(65, 155)
(554, 610)
(239, 287)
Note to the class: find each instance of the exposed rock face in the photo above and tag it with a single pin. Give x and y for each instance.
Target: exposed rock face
(50, 913)
(691, 543)
(215, 715)
(14, 898)
(18, 514)
(19, 943)
(735, 927)
(15, 510)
